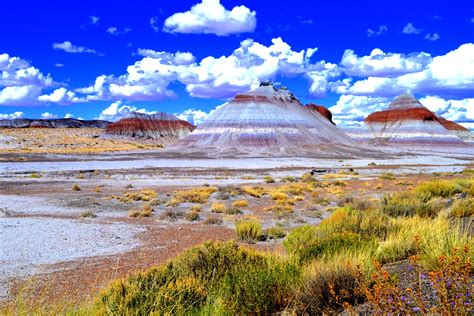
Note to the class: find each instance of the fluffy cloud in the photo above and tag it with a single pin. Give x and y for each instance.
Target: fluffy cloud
(193, 116)
(449, 75)
(457, 110)
(382, 64)
(48, 116)
(115, 31)
(94, 20)
(432, 37)
(351, 109)
(382, 29)
(20, 83)
(60, 96)
(118, 110)
(154, 24)
(68, 115)
(411, 29)
(12, 116)
(210, 17)
(223, 77)
(68, 47)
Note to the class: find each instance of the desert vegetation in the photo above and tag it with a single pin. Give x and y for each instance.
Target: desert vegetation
(406, 252)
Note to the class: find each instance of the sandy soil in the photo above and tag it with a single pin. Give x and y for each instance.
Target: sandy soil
(64, 141)
(46, 237)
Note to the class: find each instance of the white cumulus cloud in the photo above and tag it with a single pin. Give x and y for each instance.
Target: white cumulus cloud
(118, 110)
(69, 47)
(211, 17)
(411, 29)
(432, 37)
(382, 64)
(48, 116)
(12, 116)
(193, 116)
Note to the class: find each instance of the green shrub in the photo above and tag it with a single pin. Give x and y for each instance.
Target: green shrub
(308, 242)
(249, 230)
(274, 233)
(289, 179)
(268, 179)
(409, 204)
(437, 188)
(259, 290)
(326, 288)
(462, 208)
(239, 279)
(192, 216)
(387, 176)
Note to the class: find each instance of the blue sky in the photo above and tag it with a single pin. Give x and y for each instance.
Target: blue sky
(103, 59)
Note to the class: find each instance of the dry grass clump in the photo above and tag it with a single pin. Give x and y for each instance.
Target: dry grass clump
(439, 188)
(218, 207)
(197, 195)
(143, 195)
(387, 176)
(327, 289)
(278, 196)
(463, 208)
(88, 214)
(35, 175)
(76, 187)
(191, 216)
(247, 177)
(172, 215)
(268, 179)
(274, 233)
(145, 211)
(249, 230)
(255, 191)
(289, 179)
(240, 203)
(212, 220)
(196, 208)
(410, 204)
(308, 178)
(227, 192)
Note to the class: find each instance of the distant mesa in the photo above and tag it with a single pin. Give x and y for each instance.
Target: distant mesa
(407, 121)
(269, 119)
(160, 127)
(321, 110)
(52, 123)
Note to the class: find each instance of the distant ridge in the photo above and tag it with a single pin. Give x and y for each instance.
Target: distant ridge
(52, 123)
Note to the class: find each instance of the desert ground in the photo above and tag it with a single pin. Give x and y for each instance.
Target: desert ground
(72, 223)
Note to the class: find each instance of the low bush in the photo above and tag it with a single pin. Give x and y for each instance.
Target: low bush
(145, 211)
(171, 215)
(387, 176)
(327, 289)
(462, 208)
(227, 192)
(437, 188)
(410, 204)
(197, 195)
(249, 230)
(254, 191)
(236, 279)
(268, 179)
(218, 207)
(191, 216)
(308, 242)
(289, 179)
(76, 187)
(274, 233)
(87, 214)
(240, 203)
(212, 220)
